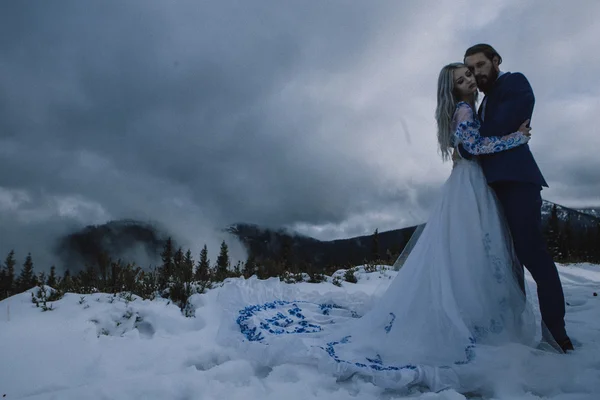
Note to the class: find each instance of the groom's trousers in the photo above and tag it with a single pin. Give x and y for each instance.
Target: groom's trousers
(522, 206)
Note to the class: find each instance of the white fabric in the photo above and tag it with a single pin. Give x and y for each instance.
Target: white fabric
(454, 299)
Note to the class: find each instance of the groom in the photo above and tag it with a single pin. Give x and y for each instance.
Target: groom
(517, 180)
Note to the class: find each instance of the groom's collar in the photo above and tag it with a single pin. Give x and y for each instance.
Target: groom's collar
(500, 74)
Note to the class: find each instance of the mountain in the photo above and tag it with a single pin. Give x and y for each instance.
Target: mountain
(140, 242)
(128, 240)
(591, 211)
(585, 218)
(267, 243)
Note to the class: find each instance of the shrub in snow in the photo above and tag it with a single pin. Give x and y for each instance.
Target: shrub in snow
(337, 281)
(349, 275)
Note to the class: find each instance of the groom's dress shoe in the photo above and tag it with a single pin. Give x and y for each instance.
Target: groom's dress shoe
(566, 345)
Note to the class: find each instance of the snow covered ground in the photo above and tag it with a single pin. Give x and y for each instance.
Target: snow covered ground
(105, 347)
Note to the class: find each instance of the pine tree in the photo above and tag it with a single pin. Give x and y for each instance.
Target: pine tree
(285, 257)
(592, 245)
(103, 269)
(188, 266)
(567, 241)
(582, 244)
(3, 282)
(166, 270)
(263, 269)
(553, 234)
(180, 289)
(131, 277)
(148, 284)
(70, 282)
(52, 277)
(250, 266)
(114, 279)
(42, 278)
(178, 257)
(88, 279)
(237, 270)
(67, 284)
(596, 245)
(27, 278)
(223, 263)
(203, 267)
(9, 264)
(178, 270)
(375, 254)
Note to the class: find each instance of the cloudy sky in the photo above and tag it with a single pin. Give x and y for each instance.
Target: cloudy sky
(311, 115)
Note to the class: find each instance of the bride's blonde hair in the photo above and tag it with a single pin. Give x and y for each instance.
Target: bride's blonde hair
(446, 105)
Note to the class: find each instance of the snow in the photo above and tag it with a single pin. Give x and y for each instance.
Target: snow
(591, 211)
(102, 346)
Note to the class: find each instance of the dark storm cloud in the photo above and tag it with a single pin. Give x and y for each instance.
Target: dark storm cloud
(310, 115)
(133, 105)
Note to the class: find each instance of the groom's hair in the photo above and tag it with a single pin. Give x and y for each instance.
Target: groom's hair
(486, 49)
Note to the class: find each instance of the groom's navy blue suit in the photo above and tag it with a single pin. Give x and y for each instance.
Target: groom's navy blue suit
(517, 181)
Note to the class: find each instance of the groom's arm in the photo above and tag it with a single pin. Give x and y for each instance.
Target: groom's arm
(515, 106)
(470, 139)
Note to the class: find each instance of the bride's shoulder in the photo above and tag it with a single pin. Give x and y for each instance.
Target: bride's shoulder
(463, 110)
(463, 104)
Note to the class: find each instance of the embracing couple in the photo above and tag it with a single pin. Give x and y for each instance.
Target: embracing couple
(457, 309)
(495, 139)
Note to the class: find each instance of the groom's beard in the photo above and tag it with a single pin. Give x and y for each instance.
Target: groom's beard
(486, 82)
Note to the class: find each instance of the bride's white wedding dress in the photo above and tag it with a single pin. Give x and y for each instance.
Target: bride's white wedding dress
(454, 298)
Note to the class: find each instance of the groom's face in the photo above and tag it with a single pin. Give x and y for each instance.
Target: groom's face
(484, 69)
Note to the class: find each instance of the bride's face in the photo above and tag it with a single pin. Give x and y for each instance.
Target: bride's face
(464, 82)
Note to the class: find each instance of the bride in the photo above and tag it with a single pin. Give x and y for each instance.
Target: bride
(454, 297)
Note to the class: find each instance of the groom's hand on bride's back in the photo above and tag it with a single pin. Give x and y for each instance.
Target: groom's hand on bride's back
(525, 129)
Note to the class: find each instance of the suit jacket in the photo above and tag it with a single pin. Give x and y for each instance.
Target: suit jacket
(508, 105)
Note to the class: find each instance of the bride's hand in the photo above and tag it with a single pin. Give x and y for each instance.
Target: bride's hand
(526, 130)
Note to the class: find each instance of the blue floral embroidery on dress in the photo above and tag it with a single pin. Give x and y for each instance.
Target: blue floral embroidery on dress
(374, 363)
(495, 327)
(377, 364)
(504, 304)
(467, 132)
(469, 354)
(376, 360)
(277, 325)
(325, 308)
(496, 261)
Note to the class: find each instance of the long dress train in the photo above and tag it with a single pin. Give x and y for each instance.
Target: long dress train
(455, 295)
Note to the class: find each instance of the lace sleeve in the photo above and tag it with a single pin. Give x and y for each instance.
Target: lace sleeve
(467, 132)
